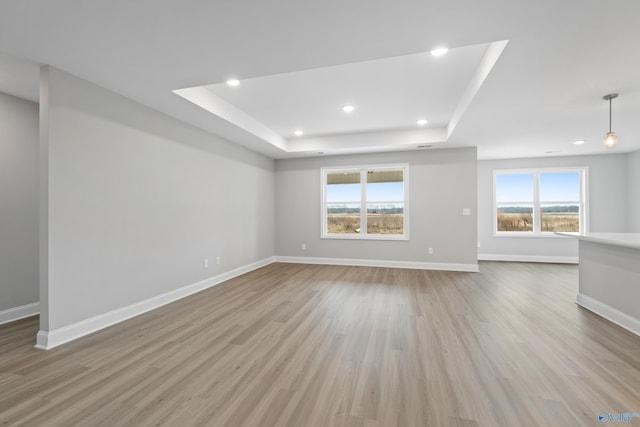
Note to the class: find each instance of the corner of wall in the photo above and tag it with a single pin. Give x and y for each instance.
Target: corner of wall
(633, 192)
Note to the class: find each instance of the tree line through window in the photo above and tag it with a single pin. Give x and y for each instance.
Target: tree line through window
(365, 202)
(540, 201)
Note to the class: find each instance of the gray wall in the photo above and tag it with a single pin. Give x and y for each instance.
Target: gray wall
(607, 204)
(633, 201)
(18, 202)
(137, 200)
(442, 183)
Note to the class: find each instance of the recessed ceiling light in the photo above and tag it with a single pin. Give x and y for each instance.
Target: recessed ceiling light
(348, 108)
(298, 132)
(580, 142)
(233, 82)
(422, 122)
(439, 51)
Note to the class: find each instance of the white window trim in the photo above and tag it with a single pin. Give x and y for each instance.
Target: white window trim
(363, 212)
(583, 204)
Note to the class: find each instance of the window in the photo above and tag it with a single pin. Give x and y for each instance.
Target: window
(365, 202)
(540, 201)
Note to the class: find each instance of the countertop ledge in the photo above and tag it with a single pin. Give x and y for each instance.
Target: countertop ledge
(629, 240)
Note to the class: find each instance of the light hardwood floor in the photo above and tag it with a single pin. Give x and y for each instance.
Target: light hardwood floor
(309, 345)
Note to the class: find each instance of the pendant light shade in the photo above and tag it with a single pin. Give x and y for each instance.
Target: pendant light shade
(611, 139)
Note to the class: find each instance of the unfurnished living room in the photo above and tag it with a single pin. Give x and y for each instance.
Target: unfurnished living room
(291, 213)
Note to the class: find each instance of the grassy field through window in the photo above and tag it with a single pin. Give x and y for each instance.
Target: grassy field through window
(550, 221)
(376, 223)
(561, 221)
(515, 221)
(539, 200)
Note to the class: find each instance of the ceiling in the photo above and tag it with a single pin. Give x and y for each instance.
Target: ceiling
(521, 79)
(389, 97)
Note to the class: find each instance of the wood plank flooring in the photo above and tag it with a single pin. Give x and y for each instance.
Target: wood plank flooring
(309, 345)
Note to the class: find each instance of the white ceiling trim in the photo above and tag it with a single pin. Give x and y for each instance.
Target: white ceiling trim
(368, 141)
(489, 59)
(205, 99)
(353, 142)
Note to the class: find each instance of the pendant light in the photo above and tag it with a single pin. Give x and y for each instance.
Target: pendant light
(611, 139)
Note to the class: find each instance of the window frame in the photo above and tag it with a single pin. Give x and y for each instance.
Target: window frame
(583, 203)
(363, 235)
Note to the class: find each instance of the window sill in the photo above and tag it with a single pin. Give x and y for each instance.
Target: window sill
(528, 235)
(365, 237)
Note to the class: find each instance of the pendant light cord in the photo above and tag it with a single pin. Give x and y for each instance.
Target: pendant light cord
(610, 114)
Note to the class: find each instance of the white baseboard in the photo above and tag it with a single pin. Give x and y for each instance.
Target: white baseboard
(529, 258)
(49, 339)
(17, 313)
(380, 263)
(612, 314)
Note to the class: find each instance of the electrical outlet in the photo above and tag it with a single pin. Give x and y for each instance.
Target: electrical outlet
(430, 251)
(466, 211)
(218, 260)
(304, 246)
(206, 263)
